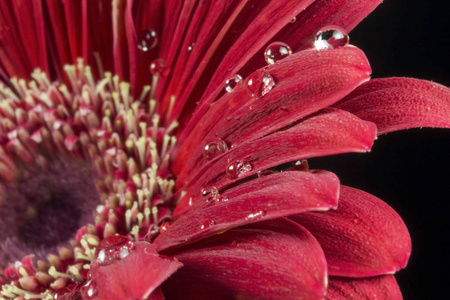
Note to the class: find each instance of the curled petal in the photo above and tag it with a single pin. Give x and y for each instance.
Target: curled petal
(268, 197)
(363, 237)
(332, 132)
(343, 13)
(305, 82)
(134, 277)
(378, 287)
(400, 103)
(248, 262)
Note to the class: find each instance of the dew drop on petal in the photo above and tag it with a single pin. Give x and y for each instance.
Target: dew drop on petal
(113, 248)
(238, 168)
(210, 194)
(259, 83)
(221, 198)
(232, 82)
(164, 226)
(276, 51)
(214, 148)
(293, 20)
(330, 37)
(158, 66)
(89, 290)
(147, 39)
(256, 215)
(208, 224)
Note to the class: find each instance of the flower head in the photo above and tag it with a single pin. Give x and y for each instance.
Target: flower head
(160, 150)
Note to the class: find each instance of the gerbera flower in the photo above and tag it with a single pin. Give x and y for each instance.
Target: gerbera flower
(159, 149)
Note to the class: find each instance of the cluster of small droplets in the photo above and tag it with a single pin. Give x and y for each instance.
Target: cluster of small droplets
(97, 122)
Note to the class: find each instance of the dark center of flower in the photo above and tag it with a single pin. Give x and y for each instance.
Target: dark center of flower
(45, 207)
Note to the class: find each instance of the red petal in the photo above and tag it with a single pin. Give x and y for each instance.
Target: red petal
(270, 260)
(400, 103)
(135, 276)
(250, 31)
(379, 287)
(269, 197)
(305, 83)
(363, 237)
(343, 13)
(330, 133)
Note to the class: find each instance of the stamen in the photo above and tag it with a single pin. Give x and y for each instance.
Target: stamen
(155, 121)
(151, 107)
(55, 274)
(128, 219)
(171, 104)
(147, 215)
(140, 217)
(125, 93)
(145, 90)
(135, 233)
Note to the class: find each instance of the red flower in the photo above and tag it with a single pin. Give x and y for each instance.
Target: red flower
(196, 176)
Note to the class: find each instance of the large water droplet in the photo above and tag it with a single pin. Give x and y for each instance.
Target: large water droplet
(276, 51)
(158, 66)
(89, 290)
(232, 82)
(113, 248)
(210, 193)
(259, 83)
(147, 39)
(238, 168)
(330, 37)
(214, 148)
(256, 215)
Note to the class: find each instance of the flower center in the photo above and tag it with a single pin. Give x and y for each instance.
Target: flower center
(44, 207)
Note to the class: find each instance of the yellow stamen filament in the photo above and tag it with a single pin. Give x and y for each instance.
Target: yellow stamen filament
(55, 274)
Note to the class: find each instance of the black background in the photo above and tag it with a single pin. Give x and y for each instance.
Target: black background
(409, 169)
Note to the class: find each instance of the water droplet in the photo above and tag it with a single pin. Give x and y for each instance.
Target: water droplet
(210, 193)
(256, 215)
(214, 148)
(330, 37)
(238, 168)
(293, 20)
(113, 248)
(208, 224)
(158, 66)
(259, 83)
(232, 82)
(147, 39)
(276, 51)
(165, 226)
(221, 198)
(190, 47)
(89, 290)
